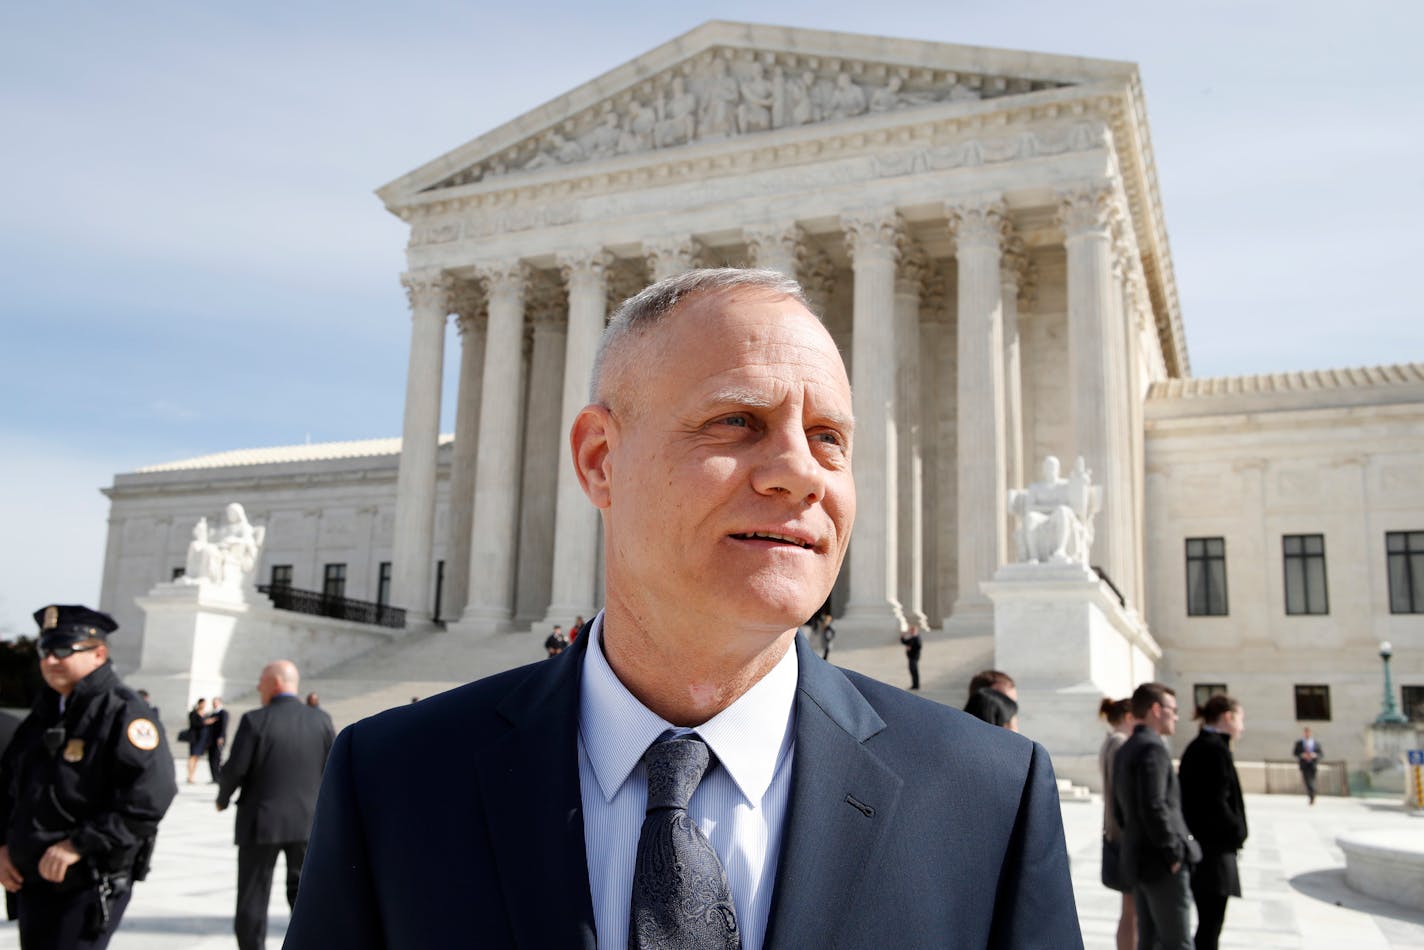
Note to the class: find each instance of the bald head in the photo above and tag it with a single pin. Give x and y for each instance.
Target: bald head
(279, 676)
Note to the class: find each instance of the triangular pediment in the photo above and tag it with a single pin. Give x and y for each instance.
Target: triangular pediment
(725, 81)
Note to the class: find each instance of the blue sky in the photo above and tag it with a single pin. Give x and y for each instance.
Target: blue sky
(192, 259)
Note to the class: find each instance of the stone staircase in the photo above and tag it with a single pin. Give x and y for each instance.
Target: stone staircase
(427, 663)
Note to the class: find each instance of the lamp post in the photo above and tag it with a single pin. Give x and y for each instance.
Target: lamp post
(1389, 712)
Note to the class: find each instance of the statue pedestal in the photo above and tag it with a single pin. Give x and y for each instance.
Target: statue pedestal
(1386, 745)
(1067, 641)
(188, 635)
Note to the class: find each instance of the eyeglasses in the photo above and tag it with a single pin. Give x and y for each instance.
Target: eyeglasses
(1169, 709)
(66, 651)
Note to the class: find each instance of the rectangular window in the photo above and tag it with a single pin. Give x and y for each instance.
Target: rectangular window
(439, 588)
(178, 572)
(383, 584)
(1201, 692)
(1413, 697)
(1206, 577)
(1405, 552)
(281, 575)
(1312, 702)
(333, 581)
(1304, 556)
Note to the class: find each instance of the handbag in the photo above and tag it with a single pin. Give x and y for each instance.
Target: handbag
(185, 735)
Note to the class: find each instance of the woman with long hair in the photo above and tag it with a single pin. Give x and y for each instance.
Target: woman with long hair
(1118, 713)
(1215, 813)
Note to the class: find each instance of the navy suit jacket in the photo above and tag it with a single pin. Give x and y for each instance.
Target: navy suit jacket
(457, 821)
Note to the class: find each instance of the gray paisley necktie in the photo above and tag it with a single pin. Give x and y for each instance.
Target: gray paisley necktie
(680, 893)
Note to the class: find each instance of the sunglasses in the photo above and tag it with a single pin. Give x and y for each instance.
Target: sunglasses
(65, 652)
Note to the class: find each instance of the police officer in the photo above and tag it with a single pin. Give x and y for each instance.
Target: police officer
(82, 788)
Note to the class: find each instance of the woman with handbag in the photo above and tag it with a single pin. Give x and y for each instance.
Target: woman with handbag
(197, 736)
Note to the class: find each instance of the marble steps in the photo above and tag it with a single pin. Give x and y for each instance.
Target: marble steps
(427, 663)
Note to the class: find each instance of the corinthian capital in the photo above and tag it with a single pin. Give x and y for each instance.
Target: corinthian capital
(503, 279)
(983, 223)
(671, 255)
(874, 234)
(429, 291)
(1090, 209)
(593, 261)
(914, 269)
(467, 302)
(771, 244)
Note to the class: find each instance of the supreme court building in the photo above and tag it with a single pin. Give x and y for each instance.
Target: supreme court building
(981, 231)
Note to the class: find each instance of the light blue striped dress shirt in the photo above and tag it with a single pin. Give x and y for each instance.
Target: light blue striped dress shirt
(740, 805)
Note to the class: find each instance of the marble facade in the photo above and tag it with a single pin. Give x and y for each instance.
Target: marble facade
(981, 232)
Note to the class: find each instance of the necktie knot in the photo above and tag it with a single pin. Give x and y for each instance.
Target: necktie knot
(675, 768)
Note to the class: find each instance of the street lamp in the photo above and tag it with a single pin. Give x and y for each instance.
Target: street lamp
(1389, 712)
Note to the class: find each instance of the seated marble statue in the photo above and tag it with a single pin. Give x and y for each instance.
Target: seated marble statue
(228, 556)
(1055, 515)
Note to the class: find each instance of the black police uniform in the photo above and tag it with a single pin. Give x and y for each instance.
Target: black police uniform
(98, 773)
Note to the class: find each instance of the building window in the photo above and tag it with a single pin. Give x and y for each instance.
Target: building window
(1206, 577)
(1305, 574)
(333, 581)
(281, 575)
(1405, 553)
(439, 588)
(1201, 692)
(1413, 697)
(383, 584)
(1312, 702)
(177, 573)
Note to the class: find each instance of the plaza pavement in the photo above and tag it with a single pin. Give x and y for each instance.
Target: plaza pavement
(1291, 870)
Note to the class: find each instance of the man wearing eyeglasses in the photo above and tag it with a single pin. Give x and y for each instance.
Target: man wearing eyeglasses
(1157, 849)
(82, 789)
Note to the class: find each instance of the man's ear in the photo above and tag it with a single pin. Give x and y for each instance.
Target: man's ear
(592, 440)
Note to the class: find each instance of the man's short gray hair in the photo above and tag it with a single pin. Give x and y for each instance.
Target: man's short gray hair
(647, 308)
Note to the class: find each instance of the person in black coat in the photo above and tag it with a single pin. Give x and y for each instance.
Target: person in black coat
(217, 737)
(1158, 850)
(83, 786)
(278, 756)
(1215, 813)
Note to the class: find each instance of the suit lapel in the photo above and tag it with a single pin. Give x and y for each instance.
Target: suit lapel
(530, 784)
(842, 800)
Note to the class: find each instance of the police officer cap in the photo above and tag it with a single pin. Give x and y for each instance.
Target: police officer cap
(66, 624)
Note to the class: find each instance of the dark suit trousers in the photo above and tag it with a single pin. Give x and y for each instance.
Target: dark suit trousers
(1164, 912)
(255, 864)
(1307, 774)
(215, 751)
(1211, 914)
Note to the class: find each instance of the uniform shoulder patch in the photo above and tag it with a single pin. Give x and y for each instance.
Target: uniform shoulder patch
(143, 734)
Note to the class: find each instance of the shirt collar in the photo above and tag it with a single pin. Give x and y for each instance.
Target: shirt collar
(750, 737)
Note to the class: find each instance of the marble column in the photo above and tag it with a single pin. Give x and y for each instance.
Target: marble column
(873, 609)
(545, 458)
(1094, 353)
(776, 247)
(490, 606)
(909, 285)
(470, 312)
(670, 255)
(1013, 272)
(411, 579)
(979, 230)
(575, 577)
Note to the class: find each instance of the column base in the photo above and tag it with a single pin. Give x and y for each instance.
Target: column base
(481, 621)
(868, 624)
(563, 615)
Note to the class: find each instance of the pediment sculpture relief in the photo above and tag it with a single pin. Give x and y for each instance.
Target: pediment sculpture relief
(729, 93)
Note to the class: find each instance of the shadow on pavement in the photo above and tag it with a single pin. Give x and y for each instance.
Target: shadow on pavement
(1328, 885)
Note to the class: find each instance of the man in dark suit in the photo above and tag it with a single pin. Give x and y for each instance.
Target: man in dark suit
(1307, 754)
(277, 760)
(1157, 849)
(217, 737)
(824, 808)
(1215, 813)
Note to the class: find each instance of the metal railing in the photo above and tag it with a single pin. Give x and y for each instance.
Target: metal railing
(339, 608)
(1283, 778)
